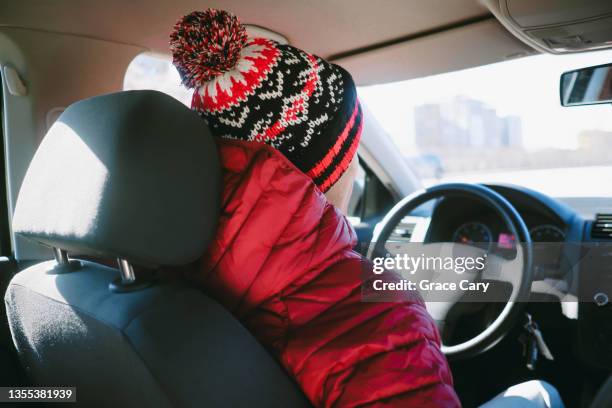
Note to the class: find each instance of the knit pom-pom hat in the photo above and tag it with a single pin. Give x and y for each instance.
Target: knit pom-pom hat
(259, 90)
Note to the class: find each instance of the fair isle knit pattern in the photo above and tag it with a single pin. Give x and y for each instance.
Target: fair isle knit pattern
(268, 92)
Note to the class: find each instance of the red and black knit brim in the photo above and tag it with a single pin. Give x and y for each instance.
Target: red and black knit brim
(338, 158)
(294, 101)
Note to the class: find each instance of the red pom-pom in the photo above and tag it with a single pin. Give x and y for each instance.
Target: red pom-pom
(205, 44)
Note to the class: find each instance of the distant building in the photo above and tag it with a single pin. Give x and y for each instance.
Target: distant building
(595, 140)
(464, 122)
(513, 132)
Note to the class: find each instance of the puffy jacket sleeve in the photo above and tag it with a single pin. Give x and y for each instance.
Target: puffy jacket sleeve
(354, 353)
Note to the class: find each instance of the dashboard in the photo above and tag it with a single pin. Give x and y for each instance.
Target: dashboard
(550, 224)
(470, 221)
(571, 254)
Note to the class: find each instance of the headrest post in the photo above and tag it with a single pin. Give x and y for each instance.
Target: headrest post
(61, 256)
(127, 281)
(127, 271)
(63, 264)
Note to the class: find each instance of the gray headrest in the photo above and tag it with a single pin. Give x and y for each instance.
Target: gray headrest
(133, 175)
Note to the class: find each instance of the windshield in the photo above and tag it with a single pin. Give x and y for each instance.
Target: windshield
(501, 123)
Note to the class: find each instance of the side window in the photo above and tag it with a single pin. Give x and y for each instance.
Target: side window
(355, 201)
(370, 199)
(148, 71)
(369, 202)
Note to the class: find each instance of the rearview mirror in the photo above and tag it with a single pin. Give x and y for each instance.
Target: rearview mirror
(587, 86)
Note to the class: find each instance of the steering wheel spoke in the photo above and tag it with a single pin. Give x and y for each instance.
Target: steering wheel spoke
(500, 269)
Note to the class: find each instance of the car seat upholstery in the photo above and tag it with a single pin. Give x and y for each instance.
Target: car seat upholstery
(134, 176)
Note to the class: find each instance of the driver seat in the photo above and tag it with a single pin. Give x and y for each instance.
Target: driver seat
(132, 176)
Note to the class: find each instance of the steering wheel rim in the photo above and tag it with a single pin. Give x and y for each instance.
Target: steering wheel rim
(513, 221)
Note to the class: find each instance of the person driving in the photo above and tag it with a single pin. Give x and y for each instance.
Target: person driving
(288, 125)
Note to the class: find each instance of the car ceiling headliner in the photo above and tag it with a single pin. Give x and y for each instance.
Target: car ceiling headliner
(324, 27)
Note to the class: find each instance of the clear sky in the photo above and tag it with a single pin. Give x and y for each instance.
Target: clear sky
(526, 87)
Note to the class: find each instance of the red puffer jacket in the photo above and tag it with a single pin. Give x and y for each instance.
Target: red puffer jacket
(282, 263)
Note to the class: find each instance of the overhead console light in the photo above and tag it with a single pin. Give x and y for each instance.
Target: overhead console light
(256, 31)
(557, 27)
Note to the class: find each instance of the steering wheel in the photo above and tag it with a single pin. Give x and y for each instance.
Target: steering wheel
(516, 271)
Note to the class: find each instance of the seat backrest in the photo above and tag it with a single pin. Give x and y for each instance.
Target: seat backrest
(165, 346)
(139, 180)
